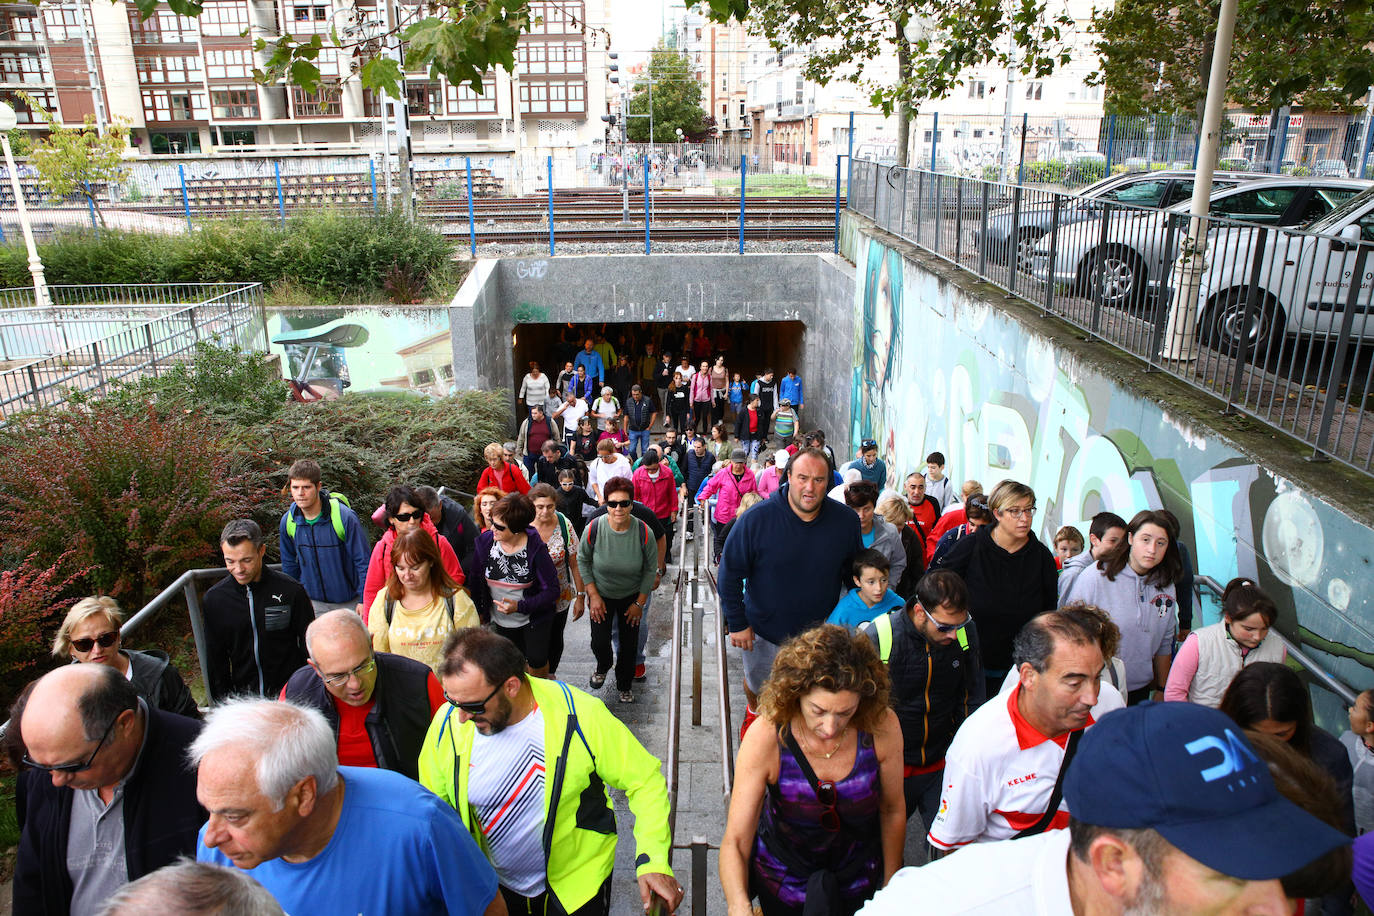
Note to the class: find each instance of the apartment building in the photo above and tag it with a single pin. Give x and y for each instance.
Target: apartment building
(186, 84)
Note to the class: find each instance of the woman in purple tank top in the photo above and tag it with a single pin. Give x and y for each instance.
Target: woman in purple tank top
(817, 819)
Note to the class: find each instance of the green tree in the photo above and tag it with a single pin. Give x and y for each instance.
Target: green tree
(74, 160)
(1155, 58)
(844, 40)
(676, 101)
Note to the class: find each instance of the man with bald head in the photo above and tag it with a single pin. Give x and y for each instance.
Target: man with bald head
(107, 796)
(378, 704)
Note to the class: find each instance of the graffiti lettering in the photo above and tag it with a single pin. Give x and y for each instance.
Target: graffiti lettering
(531, 270)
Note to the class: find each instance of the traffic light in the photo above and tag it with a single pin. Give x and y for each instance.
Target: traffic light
(609, 119)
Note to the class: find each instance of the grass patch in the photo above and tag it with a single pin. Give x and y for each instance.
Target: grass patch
(774, 186)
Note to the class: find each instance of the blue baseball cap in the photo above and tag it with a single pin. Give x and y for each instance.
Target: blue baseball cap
(1188, 773)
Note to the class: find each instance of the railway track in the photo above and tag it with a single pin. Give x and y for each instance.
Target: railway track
(631, 233)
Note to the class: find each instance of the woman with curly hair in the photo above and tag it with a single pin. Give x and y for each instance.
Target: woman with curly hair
(817, 819)
(481, 506)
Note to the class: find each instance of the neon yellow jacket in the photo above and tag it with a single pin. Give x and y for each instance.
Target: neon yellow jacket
(589, 749)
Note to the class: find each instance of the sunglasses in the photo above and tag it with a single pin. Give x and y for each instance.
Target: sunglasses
(360, 672)
(105, 640)
(409, 516)
(474, 709)
(830, 817)
(74, 767)
(949, 627)
(499, 527)
(617, 503)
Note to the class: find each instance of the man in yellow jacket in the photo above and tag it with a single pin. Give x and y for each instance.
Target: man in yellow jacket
(526, 763)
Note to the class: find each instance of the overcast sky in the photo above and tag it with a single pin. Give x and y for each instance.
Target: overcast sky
(635, 25)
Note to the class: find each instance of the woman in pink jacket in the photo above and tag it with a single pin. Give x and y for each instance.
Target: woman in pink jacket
(404, 510)
(701, 398)
(727, 485)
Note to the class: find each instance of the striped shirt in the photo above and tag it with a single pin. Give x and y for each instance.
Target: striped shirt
(506, 790)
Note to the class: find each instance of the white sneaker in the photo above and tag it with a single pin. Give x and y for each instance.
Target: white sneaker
(690, 536)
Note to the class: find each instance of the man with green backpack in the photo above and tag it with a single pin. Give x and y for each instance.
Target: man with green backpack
(930, 648)
(323, 546)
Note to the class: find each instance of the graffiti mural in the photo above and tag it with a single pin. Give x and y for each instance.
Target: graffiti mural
(1001, 402)
(404, 348)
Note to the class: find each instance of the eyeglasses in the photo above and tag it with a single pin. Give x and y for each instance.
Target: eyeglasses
(75, 767)
(105, 640)
(617, 503)
(360, 672)
(499, 527)
(474, 709)
(1019, 513)
(826, 794)
(409, 516)
(948, 627)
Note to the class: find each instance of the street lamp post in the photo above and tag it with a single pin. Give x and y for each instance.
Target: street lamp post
(8, 121)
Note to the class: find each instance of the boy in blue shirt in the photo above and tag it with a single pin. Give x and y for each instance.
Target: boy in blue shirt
(870, 597)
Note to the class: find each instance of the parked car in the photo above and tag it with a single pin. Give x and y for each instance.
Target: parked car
(1304, 282)
(1139, 189)
(1134, 252)
(1331, 168)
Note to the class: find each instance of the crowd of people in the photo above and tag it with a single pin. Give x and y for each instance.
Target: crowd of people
(385, 730)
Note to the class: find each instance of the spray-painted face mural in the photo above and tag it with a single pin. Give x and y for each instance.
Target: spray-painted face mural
(1003, 402)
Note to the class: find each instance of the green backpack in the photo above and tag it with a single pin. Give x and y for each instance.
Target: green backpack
(332, 501)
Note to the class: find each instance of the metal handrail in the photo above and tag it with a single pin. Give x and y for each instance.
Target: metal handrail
(1327, 679)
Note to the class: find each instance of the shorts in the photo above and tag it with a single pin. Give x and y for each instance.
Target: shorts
(758, 663)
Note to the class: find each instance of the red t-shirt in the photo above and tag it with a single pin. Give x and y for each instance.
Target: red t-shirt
(355, 747)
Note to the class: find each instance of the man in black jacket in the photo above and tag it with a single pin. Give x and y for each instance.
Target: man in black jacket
(255, 619)
(454, 523)
(108, 796)
(700, 464)
(931, 651)
(378, 704)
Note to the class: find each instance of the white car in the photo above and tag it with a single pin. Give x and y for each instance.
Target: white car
(1303, 285)
(1134, 252)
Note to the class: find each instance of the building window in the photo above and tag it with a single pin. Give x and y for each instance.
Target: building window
(310, 13)
(422, 98)
(184, 68)
(238, 136)
(462, 100)
(324, 102)
(224, 19)
(23, 113)
(556, 17)
(236, 63)
(16, 25)
(536, 57)
(1035, 90)
(234, 104)
(64, 23)
(160, 28)
(174, 105)
(22, 67)
(553, 97)
(801, 84)
(977, 89)
(174, 142)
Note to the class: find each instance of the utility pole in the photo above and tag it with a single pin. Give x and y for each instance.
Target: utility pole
(1180, 340)
(614, 67)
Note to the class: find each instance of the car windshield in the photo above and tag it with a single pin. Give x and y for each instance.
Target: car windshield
(1332, 221)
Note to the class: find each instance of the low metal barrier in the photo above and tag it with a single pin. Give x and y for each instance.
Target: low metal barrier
(1276, 331)
(139, 345)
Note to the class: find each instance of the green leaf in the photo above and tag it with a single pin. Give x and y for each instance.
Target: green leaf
(146, 8)
(382, 74)
(190, 8)
(304, 74)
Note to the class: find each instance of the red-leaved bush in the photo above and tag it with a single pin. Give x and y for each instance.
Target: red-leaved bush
(131, 499)
(31, 606)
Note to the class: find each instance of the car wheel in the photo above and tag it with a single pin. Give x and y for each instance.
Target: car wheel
(1120, 278)
(1225, 325)
(1025, 248)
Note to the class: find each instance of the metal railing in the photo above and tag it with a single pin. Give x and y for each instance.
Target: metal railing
(1277, 331)
(1295, 652)
(228, 313)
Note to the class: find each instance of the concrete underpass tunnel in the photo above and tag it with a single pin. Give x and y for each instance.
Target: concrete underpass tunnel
(749, 347)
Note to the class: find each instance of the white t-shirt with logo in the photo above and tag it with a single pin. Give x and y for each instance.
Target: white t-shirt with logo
(1000, 773)
(506, 790)
(1027, 877)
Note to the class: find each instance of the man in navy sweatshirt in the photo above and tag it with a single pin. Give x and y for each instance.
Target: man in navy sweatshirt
(795, 550)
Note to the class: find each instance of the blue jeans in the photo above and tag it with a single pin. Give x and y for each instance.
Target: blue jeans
(639, 442)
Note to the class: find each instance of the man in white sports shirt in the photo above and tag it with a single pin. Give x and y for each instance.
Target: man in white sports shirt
(1003, 766)
(1173, 813)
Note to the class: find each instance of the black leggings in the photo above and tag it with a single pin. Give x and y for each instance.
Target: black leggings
(532, 638)
(629, 641)
(545, 904)
(560, 621)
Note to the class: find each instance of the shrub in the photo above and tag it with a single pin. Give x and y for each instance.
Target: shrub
(30, 601)
(123, 502)
(332, 255)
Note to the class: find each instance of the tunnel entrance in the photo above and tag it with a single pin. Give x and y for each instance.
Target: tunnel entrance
(749, 347)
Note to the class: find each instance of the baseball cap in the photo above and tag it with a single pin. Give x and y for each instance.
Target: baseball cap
(786, 402)
(738, 455)
(1188, 772)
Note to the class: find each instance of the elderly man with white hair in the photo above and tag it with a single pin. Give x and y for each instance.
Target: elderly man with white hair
(325, 839)
(190, 888)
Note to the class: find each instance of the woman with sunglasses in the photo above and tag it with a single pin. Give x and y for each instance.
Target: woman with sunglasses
(90, 634)
(1011, 575)
(818, 783)
(517, 584)
(421, 603)
(405, 512)
(618, 559)
(559, 535)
